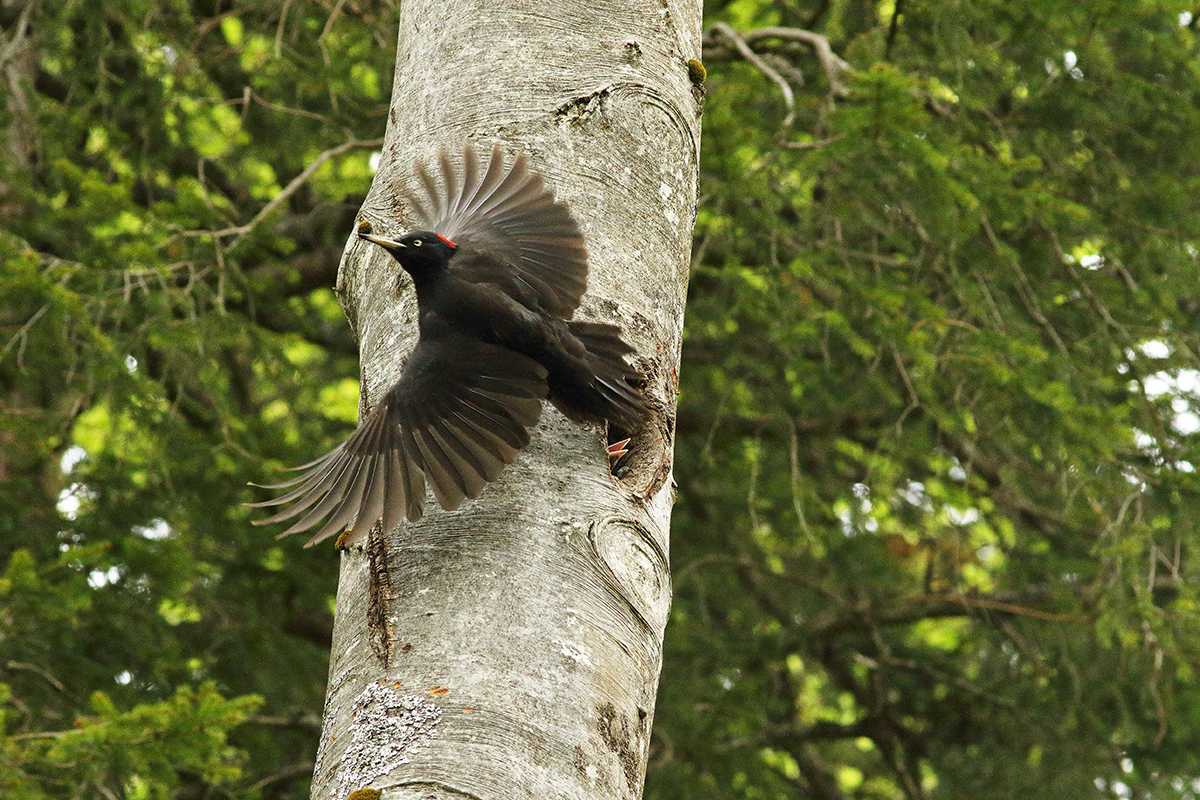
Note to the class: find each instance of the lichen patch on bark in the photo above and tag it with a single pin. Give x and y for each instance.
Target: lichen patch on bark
(387, 727)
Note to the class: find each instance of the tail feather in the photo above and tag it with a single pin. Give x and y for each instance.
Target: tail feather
(608, 394)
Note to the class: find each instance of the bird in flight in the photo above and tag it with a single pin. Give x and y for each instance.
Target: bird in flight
(499, 268)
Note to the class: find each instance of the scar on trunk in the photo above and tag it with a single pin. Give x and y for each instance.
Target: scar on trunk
(379, 596)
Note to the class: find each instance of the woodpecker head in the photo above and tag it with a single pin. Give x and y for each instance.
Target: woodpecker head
(419, 252)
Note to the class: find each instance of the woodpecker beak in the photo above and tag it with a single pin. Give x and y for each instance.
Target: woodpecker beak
(382, 241)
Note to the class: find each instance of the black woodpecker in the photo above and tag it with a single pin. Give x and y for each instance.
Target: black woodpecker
(499, 267)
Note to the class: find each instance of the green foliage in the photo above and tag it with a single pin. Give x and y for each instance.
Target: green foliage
(151, 750)
(157, 352)
(936, 436)
(937, 427)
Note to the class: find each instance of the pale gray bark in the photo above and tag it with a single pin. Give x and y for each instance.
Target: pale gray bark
(511, 649)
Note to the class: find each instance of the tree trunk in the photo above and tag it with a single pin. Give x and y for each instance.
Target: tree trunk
(511, 648)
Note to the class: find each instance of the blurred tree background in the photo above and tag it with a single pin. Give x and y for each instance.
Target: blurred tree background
(938, 414)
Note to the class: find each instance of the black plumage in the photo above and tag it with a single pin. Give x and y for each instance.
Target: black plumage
(499, 267)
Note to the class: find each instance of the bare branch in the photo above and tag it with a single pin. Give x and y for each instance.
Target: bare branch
(22, 334)
(333, 15)
(739, 44)
(1024, 287)
(285, 775)
(288, 191)
(299, 112)
(279, 29)
(53, 681)
(17, 41)
(907, 610)
(833, 65)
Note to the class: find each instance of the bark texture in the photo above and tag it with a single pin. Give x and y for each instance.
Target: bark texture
(511, 649)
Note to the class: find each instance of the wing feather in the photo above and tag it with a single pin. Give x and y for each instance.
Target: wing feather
(342, 494)
(458, 415)
(441, 471)
(507, 217)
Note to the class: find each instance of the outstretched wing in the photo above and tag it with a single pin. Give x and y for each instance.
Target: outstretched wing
(511, 220)
(456, 417)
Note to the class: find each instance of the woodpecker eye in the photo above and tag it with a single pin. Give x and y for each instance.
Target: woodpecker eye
(417, 243)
